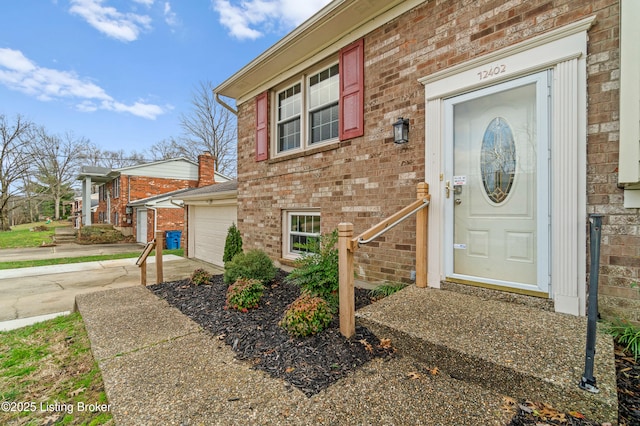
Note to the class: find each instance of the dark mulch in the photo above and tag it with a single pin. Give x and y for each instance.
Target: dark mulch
(628, 378)
(312, 364)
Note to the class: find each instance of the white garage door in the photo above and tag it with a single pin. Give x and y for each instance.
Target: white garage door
(208, 231)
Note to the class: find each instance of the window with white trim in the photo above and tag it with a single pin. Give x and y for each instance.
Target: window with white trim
(116, 188)
(300, 227)
(307, 113)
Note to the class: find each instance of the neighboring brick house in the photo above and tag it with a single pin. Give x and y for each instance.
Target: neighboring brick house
(515, 123)
(136, 199)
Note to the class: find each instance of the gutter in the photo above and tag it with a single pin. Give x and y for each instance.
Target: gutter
(226, 105)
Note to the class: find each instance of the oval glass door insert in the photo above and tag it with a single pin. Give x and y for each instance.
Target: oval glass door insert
(498, 160)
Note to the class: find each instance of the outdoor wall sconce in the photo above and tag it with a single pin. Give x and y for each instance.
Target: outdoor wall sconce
(401, 131)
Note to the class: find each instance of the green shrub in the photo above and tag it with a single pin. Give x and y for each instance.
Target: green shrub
(244, 294)
(200, 276)
(253, 264)
(386, 289)
(306, 315)
(233, 243)
(317, 270)
(627, 335)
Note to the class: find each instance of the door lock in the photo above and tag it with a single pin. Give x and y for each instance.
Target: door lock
(458, 201)
(447, 187)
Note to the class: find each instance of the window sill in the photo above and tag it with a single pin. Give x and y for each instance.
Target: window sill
(311, 151)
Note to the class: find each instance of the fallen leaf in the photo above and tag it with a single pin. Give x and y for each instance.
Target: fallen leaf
(221, 336)
(367, 345)
(289, 369)
(385, 343)
(508, 404)
(508, 400)
(414, 375)
(76, 392)
(576, 414)
(49, 420)
(434, 371)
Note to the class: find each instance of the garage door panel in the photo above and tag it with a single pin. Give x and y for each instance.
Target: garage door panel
(209, 231)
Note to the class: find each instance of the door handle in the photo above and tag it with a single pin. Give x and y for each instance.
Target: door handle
(447, 188)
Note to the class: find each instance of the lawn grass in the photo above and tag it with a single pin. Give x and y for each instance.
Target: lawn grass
(68, 260)
(23, 236)
(48, 375)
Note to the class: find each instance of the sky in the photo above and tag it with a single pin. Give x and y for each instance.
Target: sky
(121, 72)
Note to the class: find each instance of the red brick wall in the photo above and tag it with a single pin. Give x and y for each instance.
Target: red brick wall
(368, 178)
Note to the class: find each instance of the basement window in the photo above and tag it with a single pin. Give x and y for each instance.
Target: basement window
(299, 228)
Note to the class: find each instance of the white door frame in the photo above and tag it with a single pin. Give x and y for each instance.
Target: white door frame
(564, 51)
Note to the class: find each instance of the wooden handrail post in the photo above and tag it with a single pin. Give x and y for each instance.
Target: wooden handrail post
(421, 237)
(346, 293)
(159, 245)
(143, 273)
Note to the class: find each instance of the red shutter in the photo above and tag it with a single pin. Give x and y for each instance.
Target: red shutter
(262, 127)
(352, 90)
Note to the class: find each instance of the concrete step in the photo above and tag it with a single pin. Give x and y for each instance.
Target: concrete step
(62, 239)
(520, 351)
(64, 235)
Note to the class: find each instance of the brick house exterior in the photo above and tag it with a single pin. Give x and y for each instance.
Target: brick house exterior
(136, 199)
(414, 59)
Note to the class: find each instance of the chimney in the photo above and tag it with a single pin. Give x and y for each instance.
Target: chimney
(206, 169)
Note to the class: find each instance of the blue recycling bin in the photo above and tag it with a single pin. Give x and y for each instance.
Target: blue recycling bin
(172, 239)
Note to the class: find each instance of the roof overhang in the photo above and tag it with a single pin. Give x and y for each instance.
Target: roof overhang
(333, 27)
(224, 195)
(96, 174)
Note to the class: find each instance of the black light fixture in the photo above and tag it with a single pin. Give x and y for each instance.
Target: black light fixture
(401, 131)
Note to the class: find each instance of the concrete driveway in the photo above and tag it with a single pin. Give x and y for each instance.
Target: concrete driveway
(29, 295)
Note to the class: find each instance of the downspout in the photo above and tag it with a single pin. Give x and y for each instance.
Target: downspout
(226, 105)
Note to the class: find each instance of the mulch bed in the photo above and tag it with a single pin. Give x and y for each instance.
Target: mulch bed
(310, 364)
(313, 363)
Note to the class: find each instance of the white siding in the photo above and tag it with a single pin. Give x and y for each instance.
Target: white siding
(171, 169)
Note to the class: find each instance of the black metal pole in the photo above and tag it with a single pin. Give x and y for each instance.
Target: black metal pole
(588, 382)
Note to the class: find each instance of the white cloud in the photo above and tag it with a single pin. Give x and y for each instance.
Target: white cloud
(19, 73)
(169, 16)
(250, 19)
(147, 3)
(109, 21)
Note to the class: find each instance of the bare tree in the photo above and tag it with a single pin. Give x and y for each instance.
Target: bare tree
(57, 162)
(94, 156)
(166, 149)
(210, 127)
(119, 159)
(14, 162)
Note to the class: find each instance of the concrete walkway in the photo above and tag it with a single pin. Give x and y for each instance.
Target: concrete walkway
(160, 367)
(33, 294)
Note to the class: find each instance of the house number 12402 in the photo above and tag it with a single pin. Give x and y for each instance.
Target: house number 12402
(492, 71)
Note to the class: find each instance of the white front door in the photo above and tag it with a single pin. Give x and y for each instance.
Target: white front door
(141, 225)
(497, 172)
